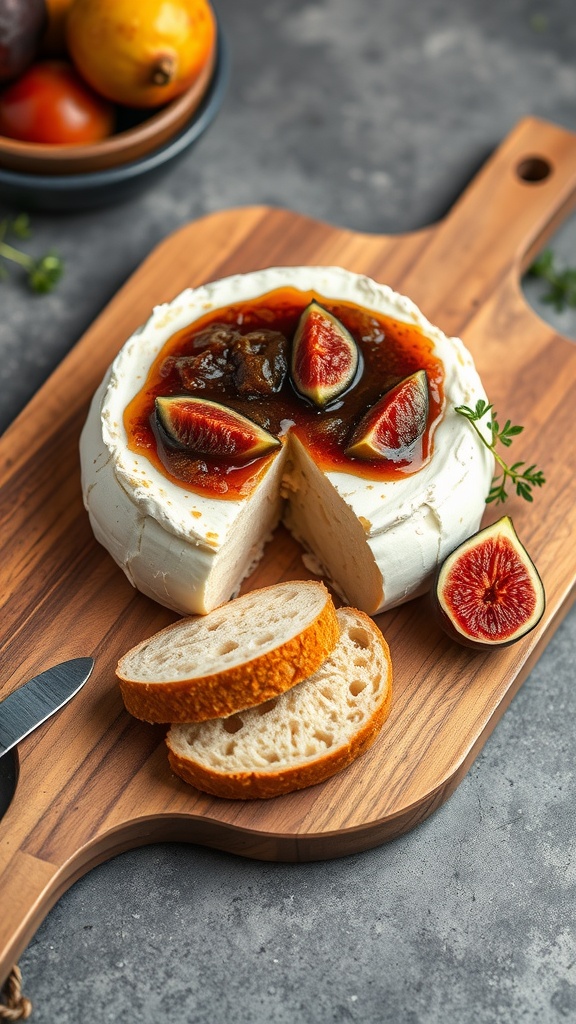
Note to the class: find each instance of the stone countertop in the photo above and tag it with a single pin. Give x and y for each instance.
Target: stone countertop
(373, 116)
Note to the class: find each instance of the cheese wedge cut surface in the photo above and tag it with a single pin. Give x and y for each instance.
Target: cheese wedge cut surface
(378, 542)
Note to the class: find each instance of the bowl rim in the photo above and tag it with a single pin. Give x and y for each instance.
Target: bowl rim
(192, 130)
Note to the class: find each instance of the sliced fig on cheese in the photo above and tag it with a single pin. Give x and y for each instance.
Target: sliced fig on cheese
(488, 592)
(211, 430)
(324, 356)
(392, 426)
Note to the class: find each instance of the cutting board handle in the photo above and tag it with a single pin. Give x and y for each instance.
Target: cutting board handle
(512, 206)
(26, 885)
(528, 186)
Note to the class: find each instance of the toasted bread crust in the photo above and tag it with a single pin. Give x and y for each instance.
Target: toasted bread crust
(268, 784)
(235, 689)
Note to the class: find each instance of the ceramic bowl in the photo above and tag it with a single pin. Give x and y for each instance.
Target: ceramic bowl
(124, 164)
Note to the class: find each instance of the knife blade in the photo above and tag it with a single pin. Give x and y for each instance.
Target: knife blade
(34, 702)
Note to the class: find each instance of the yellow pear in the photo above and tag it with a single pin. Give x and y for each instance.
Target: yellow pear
(140, 54)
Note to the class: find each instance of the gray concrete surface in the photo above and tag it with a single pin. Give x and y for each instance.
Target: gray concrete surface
(373, 115)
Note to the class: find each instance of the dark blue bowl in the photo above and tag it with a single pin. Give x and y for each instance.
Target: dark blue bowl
(69, 192)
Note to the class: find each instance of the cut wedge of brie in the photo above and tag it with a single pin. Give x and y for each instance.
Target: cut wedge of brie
(377, 542)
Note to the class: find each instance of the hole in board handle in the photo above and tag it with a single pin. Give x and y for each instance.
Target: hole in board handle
(534, 168)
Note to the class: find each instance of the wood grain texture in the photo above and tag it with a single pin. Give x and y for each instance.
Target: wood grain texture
(93, 781)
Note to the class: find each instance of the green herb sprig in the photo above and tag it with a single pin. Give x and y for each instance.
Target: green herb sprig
(523, 477)
(562, 283)
(44, 273)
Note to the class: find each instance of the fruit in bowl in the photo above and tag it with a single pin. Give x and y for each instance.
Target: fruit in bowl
(53, 43)
(22, 24)
(144, 55)
(59, 115)
(49, 103)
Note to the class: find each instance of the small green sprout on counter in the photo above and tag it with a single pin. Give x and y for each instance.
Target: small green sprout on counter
(44, 273)
(562, 283)
(523, 477)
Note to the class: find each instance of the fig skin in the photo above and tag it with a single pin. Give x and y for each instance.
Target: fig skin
(211, 430)
(499, 538)
(366, 443)
(325, 356)
(22, 24)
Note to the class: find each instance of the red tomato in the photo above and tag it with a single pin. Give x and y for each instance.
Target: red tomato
(50, 103)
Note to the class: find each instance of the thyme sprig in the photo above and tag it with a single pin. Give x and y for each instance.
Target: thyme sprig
(521, 476)
(44, 273)
(562, 283)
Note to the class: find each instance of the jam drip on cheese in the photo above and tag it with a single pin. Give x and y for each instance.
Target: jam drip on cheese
(239, 356)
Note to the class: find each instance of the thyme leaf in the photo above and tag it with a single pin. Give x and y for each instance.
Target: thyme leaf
(521, 476)
(42, 273)
(561, 283)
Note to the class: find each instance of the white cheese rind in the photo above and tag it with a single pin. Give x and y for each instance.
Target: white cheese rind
(190, 552)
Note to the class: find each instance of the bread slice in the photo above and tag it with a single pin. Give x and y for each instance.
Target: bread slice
(301, 737)
(237, 656)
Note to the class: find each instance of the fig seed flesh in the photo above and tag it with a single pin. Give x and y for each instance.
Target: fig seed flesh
(324, 356)
(212, 430)
(488, 592)
(391, 427)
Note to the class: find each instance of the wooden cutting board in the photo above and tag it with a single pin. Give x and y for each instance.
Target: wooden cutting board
(93, 782)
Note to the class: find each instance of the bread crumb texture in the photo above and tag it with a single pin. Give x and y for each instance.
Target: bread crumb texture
(238, 656)
(301, 737)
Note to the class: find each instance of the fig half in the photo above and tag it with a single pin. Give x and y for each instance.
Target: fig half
(392, 426)
(212, 430)
(487, 592)
(324, 356)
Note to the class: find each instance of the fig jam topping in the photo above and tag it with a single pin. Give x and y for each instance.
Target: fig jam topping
(260, 361)
(238, 359)
(223, 359)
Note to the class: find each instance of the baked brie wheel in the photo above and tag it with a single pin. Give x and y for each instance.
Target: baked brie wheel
(374, 522)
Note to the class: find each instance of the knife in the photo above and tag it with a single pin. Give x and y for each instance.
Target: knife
(34, 702)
